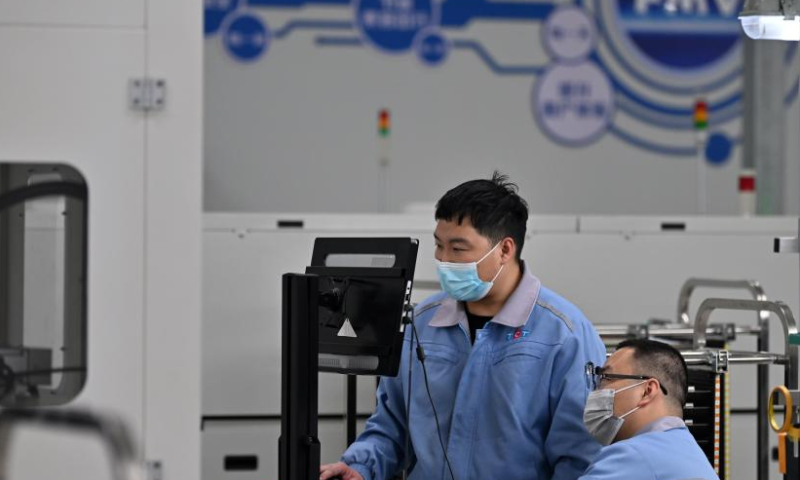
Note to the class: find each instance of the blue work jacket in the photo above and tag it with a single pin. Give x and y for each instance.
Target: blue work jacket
(510, 407)
(664, 451)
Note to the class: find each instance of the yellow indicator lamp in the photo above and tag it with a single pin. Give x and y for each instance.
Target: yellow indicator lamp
(384, 123)
(700, 115)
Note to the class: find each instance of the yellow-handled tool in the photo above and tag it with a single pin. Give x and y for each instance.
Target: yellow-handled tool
(782, 441)
(788, 426)
(787, 430)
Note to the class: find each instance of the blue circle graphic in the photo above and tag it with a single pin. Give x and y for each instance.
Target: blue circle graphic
(684, 37)
(718, 149)
(432, 47)
(573, 104)
(215, 12)
(569, 34)
(392, 25)
(247, 38)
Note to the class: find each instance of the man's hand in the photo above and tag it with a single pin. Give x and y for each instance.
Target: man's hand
(340, 470)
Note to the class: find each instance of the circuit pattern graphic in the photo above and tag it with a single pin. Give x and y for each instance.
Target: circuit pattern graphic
(669, 59)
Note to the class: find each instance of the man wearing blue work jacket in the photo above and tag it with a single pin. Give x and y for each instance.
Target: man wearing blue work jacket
(638, 405)
(498, 387)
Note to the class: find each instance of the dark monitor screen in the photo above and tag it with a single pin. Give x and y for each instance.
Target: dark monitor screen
(365, 291)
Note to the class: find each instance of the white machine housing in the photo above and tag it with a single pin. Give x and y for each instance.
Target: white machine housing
(617, 269)
(67, 66)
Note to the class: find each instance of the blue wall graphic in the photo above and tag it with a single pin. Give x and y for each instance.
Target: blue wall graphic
(392, 25)
(708, 31)
(677, 50)
(432, 46)
(246, 38)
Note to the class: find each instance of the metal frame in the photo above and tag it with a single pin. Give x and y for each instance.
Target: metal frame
(728, 331)
(14, 192)
(792, 468)
(12, 258)
(789, 360)
(762, 371)
(76, 253)
(780, 309)
(125, 462)
(763, 359)
(688, 288)
(683, 328)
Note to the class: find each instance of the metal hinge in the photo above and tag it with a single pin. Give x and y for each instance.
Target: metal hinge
(154, 470)
(147, 94)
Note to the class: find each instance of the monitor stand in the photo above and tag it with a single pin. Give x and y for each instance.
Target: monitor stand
(298, 446)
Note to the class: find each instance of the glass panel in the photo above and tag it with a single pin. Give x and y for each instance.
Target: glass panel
(43, 242)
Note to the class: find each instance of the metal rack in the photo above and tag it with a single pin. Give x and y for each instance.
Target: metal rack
(789, 359)
(682, 330)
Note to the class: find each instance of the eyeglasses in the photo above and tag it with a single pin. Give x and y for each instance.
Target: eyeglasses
(595, 376)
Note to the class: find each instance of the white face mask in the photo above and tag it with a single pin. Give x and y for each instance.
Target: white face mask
(598, 415)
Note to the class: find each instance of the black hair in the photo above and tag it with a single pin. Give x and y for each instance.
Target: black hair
(492, 206)
(663, 362)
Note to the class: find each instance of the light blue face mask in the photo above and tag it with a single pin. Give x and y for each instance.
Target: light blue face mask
(461, 280)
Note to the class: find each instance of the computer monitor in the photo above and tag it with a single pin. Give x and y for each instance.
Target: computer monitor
(344, 315)
(365, 292)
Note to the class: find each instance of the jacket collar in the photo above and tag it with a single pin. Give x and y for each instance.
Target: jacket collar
(515, 311)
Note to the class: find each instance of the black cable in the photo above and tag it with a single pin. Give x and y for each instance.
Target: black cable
(421, 356)
(407, 461)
